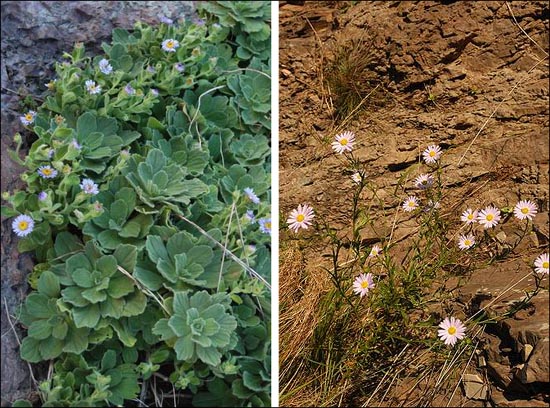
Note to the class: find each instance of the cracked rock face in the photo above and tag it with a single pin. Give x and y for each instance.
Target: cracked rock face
(34, 36)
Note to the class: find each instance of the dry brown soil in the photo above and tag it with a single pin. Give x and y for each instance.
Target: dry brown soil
(463, 75)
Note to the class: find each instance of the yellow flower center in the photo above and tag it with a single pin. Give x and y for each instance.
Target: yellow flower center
(411, 204)
(364, 284)
(470, 216)
(47, 171)
(170, 44)
(23, 225)
(545, 265)
(451, 330)
(268, 225)
(300, 217)
(29, 117)
(432, 153)
(343, 142)
(467, 242)
(525, 210)
(489, 217)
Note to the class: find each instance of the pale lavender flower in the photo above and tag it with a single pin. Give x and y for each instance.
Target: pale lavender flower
(105, 67)
(129, 90)
(466, 241)
(410, 204)
(489, 217)
(265, 225)
(251, 195)
(180, 67)
(28, 118)
(469, 216)
(431, 154)
(170, 45)
(89, 187)
(22, 225)
(47, 172)
(362, 284)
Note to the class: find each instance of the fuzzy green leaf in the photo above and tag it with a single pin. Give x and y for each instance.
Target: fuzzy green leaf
(76, 340)
(83, 278)
(109, 360)
(163, 329)
(209, 355)
(40, 330)
(87, 316)
(77, 261)
(135, 304)
(59, 331)
(184, 348)
(48, 284)
(50, 348)
(29, 350)
(120, 286)
(155, 248)
(130, 230)
(126, 256)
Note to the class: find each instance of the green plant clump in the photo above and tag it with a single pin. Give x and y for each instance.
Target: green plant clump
(147, 208)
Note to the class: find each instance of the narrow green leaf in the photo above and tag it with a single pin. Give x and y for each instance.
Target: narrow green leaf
(109, 360)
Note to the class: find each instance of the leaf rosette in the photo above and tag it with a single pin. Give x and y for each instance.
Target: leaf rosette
(201, 327)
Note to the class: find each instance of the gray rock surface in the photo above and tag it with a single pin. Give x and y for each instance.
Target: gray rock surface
(34, 36)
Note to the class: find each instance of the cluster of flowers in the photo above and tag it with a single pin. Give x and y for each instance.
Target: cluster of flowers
(450, 329)
(490, 217)
(264, 223)
(23, 224)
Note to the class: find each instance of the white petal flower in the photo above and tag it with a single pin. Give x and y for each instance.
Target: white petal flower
(542, 264)
(362, 284)
(424, 181)
(47, 172)
(343, 142)
(170, 45)
(431, 154)
(525, 209)
(469, 216)
(451, 330)
(300, 217)
(28, 118)
(410, 204)
(466, 241)
(92, 87)
(489, 217)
